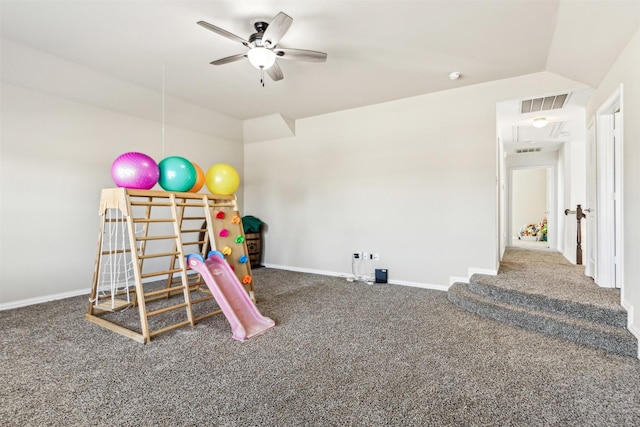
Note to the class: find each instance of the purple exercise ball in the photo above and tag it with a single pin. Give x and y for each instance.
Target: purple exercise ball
(135, 170)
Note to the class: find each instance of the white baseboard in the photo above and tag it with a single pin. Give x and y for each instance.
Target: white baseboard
(347, 275)
(487, 271)
(630, 326)
(456, 279)
(471, 272)
(42, 299)
(306, 270)
(69, 294)
(443, 288)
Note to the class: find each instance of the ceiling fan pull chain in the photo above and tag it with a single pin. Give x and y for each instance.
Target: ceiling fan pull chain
(262, 76)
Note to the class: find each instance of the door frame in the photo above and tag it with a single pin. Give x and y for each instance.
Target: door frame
(609, 219)
(590, 241)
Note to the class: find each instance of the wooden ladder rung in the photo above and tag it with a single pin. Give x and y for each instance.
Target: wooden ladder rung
(149, 220)
(168, 328)
(197, 230)
(161, 291)
(195, 203)
(160, 273)
(149, 203)
(165, 309)
(115, 220)
(158, 255)
(197, 242)
(167, 237)
(203, 299)
(117, 251)
(204, 316)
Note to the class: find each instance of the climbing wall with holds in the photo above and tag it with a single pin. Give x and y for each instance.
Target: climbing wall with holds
(229, 239)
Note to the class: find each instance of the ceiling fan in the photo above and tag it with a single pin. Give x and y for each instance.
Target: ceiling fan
(263, 50)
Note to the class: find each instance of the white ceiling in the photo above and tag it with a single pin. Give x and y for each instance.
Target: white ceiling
(378, 51)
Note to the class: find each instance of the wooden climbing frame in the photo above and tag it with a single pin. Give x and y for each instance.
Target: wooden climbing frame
(143, 239)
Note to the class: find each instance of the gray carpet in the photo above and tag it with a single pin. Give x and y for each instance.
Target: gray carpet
(542, 291)
(341, 353)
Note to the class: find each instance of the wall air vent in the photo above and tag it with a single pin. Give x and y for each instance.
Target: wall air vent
(528, 150)
(553, 102)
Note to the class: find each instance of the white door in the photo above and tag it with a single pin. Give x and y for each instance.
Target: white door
(608, 218)
(605, 272)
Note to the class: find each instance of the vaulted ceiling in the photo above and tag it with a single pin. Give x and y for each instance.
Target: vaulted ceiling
(378, 51)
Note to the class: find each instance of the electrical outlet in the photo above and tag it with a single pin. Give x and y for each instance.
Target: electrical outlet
(375, 257)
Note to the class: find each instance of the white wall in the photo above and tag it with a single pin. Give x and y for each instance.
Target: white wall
(625, 71)
(414, 180)
(56, 157)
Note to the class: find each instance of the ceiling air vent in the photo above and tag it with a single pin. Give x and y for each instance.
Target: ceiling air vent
(528, 150)
(553, 102)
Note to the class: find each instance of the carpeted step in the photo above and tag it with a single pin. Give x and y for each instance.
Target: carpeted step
(594, 334)
(484, 285)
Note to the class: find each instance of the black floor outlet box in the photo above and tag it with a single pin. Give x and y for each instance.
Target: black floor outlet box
(381, 275)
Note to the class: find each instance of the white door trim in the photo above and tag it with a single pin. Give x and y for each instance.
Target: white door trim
(590, 241)
(609, 217)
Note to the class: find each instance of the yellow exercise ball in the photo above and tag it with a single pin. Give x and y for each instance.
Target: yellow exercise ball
(222, 178)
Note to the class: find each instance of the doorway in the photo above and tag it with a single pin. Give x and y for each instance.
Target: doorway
(531, 199)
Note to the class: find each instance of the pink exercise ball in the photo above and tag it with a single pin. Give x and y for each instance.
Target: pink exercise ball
(135, 170)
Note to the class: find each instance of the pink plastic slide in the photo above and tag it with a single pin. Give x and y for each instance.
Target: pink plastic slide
(234, 301)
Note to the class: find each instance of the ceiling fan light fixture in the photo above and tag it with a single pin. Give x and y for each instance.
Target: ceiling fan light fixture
(540, 122)
(261, 58)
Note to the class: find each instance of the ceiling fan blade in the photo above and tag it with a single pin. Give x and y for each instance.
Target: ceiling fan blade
(223, 33)
(275, 72)
(301, 55)
(229, 59)
(276, 29)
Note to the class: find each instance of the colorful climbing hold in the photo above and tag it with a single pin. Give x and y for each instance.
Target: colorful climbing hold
(246, 279)
(235, 219)
(220, 215)
(224, 232)
(240, 239)
(243, 259)
(226, 250)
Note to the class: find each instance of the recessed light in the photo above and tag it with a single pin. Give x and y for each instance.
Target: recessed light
(454, 75)
(540, 122)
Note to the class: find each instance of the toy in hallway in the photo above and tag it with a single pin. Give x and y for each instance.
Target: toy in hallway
(222, 178)
(177, 174)
(135, 170)
(244, 317)
(534, 232)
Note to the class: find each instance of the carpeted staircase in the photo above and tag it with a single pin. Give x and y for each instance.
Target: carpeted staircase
(602, 327)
